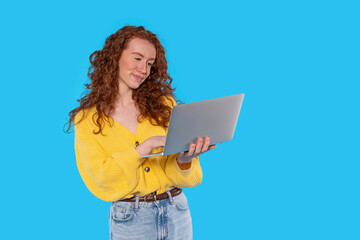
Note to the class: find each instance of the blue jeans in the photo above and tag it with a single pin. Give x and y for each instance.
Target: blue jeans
(164, 219)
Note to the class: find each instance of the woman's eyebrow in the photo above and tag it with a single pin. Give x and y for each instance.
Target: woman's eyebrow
(142, 55)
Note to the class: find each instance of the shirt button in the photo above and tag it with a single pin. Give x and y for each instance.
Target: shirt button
(136, 143)
(147, 169)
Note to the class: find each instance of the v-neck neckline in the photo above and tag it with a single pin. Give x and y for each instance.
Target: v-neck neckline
(126, 131)
(131, 134)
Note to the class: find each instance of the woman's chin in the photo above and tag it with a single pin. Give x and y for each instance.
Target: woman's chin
(135, 86)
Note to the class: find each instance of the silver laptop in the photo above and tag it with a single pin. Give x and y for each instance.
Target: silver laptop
(214, 118)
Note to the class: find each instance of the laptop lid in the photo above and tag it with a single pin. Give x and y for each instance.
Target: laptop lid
(215, 118)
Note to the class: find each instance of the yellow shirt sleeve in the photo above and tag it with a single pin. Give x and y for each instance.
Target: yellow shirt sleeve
(183, 178)
(107, 176)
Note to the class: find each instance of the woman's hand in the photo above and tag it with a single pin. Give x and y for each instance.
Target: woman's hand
(201, 146)
(149, 144)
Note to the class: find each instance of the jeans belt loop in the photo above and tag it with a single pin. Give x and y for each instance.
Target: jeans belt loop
(170, 197)
(153, 194)
(137, 203)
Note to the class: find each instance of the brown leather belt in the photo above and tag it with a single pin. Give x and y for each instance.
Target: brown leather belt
(151, 197)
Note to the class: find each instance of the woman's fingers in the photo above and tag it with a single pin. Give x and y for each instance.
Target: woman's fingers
(191, 150)
(157, 141)
(199, 145)
(205, 146)
(202, 145)
(212, 147)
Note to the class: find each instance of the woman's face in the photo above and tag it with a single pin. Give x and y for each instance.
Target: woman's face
(135, 63)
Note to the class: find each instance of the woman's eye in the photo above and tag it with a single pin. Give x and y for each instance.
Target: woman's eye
(138, 59)
(150, 64)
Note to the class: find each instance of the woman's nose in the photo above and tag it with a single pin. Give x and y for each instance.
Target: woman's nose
(142, 67)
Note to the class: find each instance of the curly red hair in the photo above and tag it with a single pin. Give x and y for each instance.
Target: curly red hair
(103, 89)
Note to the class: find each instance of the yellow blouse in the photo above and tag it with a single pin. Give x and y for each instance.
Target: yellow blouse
(109, 166)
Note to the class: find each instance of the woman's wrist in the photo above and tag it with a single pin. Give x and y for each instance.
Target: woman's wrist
(184, 166)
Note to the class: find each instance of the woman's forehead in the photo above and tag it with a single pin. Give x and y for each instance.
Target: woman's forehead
(142, 47)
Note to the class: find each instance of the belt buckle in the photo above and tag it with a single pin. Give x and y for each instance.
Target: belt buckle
(153, 194)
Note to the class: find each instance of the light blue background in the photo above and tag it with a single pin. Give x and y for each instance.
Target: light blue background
(292, 169)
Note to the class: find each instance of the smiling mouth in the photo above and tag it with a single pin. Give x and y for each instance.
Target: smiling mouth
(139, 78)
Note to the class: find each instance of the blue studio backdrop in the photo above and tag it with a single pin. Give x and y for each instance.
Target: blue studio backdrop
(292, 168)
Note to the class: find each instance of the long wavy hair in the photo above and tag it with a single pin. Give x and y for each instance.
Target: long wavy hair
(103, 89)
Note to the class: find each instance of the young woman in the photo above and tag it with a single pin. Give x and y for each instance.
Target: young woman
(123, 116)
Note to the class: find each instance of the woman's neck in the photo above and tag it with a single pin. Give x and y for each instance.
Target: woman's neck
(125, 97)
